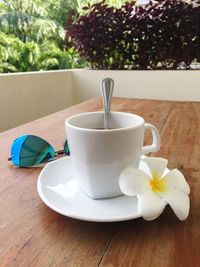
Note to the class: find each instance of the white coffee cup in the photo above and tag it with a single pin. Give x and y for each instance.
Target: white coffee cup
(98, 156)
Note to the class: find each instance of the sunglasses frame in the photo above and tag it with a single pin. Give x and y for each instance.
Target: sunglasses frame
(57, 154)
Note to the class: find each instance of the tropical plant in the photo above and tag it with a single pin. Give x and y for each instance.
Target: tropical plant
(29, 21)
(53, 58)
(32, 36)
(59, 10)
(9, 54)
(165, 35)
(115, 3)
(17, 56)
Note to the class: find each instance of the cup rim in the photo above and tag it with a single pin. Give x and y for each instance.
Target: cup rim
(67, 122)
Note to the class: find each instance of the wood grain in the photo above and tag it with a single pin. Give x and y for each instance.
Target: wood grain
(33, 235)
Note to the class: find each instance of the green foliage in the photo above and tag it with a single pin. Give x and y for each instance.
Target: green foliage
(29, 21)
(60, 9)
(32, 36)
(113, 3)
(52, 58)
(17, 56)
(9, 55)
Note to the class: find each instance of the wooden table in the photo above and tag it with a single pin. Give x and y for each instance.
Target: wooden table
(31, 234)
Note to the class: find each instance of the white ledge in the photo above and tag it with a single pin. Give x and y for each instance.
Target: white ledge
(30, 95)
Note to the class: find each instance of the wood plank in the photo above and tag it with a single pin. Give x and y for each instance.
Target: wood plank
(39, 236)
(31, 234)
(167, 241)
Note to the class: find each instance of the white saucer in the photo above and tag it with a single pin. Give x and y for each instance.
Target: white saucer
(59, 191)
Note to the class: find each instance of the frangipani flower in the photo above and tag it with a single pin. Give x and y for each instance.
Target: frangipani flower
(155, 189)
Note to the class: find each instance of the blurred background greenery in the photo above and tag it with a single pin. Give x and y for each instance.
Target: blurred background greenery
(32, 34)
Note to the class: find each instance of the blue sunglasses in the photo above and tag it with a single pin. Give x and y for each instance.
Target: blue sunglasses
(30, 150)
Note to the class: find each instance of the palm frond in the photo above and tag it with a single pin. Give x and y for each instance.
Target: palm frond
(43, 29)
(29, 28)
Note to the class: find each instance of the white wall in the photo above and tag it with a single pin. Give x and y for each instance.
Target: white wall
(169, 85)
(28, 96)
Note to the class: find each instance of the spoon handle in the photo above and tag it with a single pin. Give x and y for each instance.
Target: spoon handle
(107, 92)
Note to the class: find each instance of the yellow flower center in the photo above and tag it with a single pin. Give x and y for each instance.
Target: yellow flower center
(157, 184)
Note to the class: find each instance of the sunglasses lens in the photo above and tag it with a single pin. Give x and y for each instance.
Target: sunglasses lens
(29, 150)
(66, 148)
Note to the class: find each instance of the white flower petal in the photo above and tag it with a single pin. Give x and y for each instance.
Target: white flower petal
(175, 179)
(156, 165)
(179, 202)
(133, 181)
(150, 205)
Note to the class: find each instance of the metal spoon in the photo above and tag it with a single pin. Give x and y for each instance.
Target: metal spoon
(107, 86)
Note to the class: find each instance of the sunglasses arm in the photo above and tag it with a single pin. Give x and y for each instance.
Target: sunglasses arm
(59, 153)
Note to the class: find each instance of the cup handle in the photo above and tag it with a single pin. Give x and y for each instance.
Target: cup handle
(156, 139)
